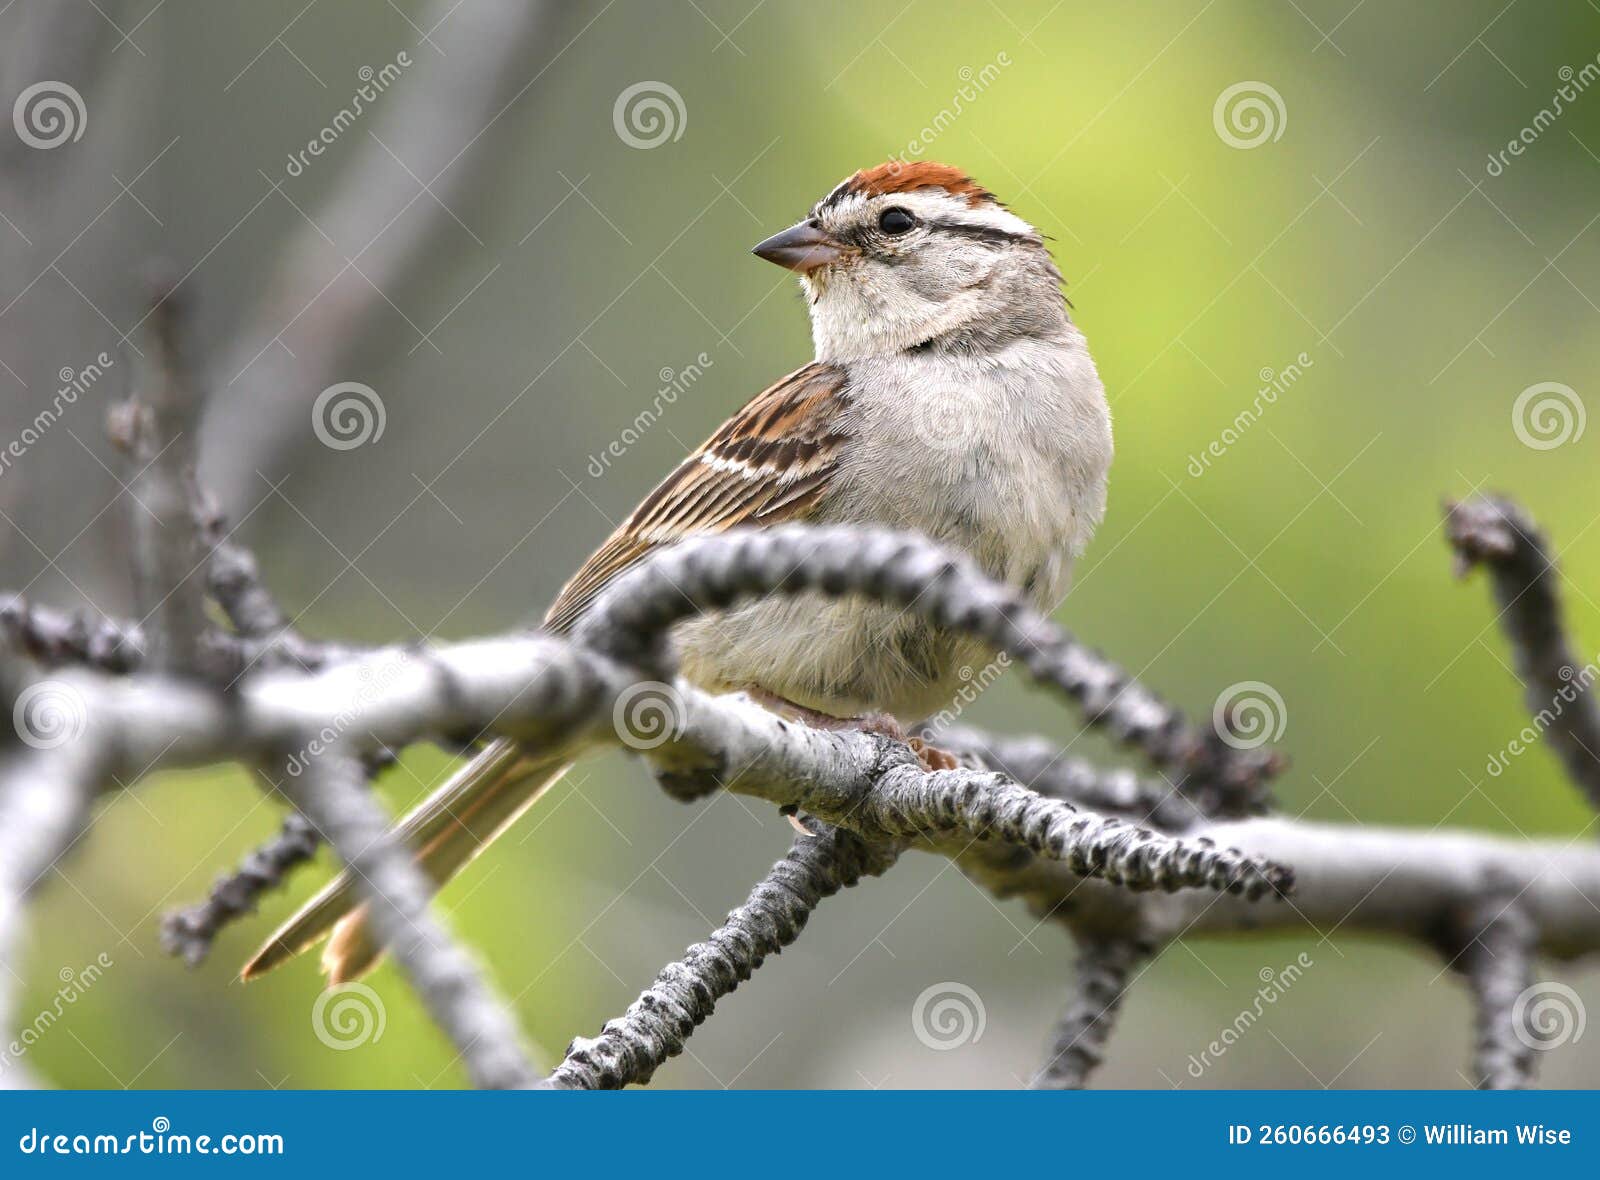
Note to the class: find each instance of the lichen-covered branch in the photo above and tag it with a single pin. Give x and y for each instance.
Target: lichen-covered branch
(1497, 963)
(1397, 882)
(1497, 534)
(1104, 969)
(876, 788)
(50, 637)
(654, 1028)
(1040, 764)
(189, 932)
(264, 638)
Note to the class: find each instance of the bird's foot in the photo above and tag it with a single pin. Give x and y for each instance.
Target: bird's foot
(931, 757)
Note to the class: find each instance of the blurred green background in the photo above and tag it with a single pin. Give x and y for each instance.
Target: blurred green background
(1366, 232)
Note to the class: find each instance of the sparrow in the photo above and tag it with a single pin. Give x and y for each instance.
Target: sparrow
(951, 394)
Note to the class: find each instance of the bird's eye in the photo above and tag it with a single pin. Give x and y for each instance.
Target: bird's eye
(895, 221)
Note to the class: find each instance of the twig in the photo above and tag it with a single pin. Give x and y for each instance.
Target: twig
(1497, 962)
(267, 639)
(954, 808)
(656, 1025)
(332, 793)
(1394, 882)
(1038, 763)
(51, 638)
(158, 431)
(1496, 533)
(189, 932)
(1079, 1041)
(233, 577)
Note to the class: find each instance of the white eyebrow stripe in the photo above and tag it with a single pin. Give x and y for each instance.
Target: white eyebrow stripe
(941, 206)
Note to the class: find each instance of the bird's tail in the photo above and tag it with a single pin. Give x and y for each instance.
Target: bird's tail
(448, 829)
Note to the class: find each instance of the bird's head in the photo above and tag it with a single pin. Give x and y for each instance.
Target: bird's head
(903, 256)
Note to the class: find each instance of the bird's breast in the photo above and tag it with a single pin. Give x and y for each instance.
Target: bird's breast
(1003, 457)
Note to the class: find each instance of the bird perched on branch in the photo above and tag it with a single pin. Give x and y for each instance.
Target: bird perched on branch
(951, 394)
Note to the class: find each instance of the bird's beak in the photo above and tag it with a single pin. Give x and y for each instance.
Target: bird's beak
(801, 248)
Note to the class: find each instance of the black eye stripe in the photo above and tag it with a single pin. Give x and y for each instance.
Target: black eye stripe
(979, 233)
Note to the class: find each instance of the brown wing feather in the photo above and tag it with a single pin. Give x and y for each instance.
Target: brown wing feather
(770, 462)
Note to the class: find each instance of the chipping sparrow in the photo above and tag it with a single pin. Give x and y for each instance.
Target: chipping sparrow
(951, 394)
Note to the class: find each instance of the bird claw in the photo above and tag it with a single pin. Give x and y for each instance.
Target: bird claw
(932, 757)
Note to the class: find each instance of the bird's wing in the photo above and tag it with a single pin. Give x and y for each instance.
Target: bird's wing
(769, 463)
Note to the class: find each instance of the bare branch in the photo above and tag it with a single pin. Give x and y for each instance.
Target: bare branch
(233, 577)
(190, 932)
(333, 794)
(1499, 535)
(562, 699)
(656, 1025)
(157, 429)
(51, 638)
(1351, 877)
(1079, 1041)
(1039, 764)
(45, 798)
(1497, 962)
(266, 640)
